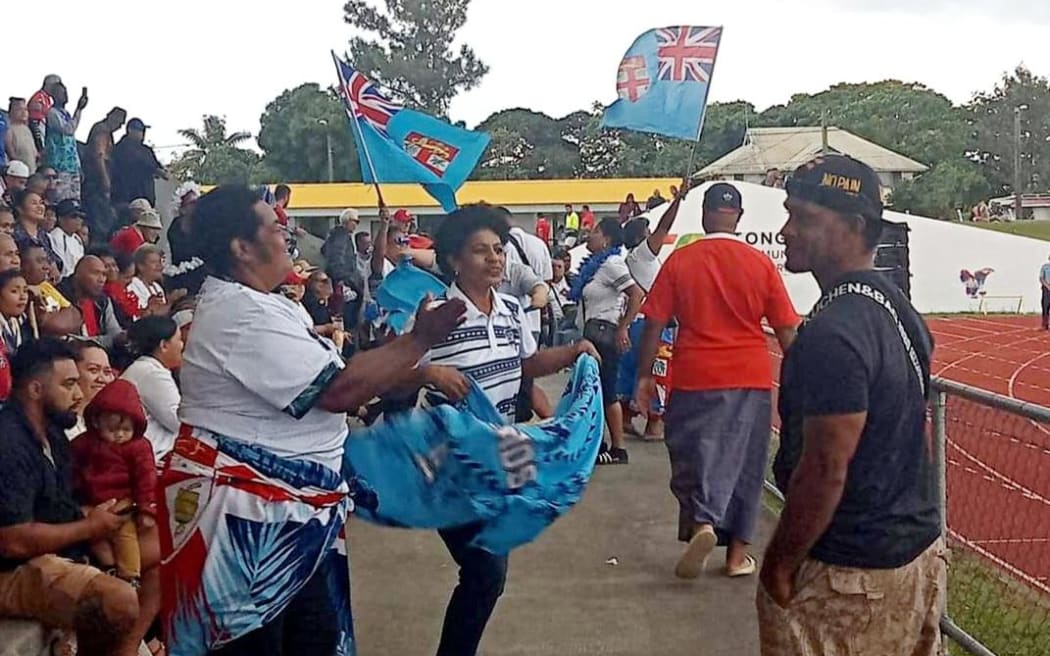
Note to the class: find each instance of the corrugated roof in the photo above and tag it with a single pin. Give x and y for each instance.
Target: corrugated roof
(496, 192)
(789, 148)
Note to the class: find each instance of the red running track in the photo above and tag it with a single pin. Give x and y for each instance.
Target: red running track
(998, 464)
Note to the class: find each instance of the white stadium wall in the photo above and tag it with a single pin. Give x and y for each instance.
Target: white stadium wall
(939, 250)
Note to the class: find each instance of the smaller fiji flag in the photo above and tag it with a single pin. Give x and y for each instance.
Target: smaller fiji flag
(396, 144)
(663, 82)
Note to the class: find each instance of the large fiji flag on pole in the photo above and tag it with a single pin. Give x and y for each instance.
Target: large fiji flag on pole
(396, 144)
(663, 80)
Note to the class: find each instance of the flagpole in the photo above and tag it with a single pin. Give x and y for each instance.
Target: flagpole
(703, 116)
(355, 126)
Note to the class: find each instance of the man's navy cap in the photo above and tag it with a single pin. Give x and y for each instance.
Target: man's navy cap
(721, 197)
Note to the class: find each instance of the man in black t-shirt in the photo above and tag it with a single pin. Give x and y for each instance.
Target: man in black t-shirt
(43, 534)
(857, 561)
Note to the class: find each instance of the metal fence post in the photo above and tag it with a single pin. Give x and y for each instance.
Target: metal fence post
(940, 455)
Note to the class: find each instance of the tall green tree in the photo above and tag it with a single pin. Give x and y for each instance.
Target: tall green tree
(296, 130)
(527, 145)
(992, 116)
(908, 118)
(407, 48)
(216, 156)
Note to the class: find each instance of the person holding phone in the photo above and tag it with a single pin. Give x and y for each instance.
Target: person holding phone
(60, 142)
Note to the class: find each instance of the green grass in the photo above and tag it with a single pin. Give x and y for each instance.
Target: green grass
(1033, 229)
(1005, 615)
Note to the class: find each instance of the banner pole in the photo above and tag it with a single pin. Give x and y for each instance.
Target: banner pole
(703, 114)
(356, 128)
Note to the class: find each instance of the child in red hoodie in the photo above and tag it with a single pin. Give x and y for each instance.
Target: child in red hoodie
(114, 460)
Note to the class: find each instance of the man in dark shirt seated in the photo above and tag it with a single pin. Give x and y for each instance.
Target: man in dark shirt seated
(43, 533)
(857, 563)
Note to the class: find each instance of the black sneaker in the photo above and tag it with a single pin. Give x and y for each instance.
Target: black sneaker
(612, 457)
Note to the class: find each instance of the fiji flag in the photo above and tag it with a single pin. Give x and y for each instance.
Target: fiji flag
(663, 82)
(396, 144)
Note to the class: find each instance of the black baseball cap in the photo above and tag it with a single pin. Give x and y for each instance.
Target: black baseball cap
(839, 183)
(137, 124)
(722, 197)
(69, 207)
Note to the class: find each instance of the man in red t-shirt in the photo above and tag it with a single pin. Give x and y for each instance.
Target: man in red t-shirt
(146, 230)
(717, 423)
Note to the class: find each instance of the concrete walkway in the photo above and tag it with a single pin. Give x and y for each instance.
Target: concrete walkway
(565, 596)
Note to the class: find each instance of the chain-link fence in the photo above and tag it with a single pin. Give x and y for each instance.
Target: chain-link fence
(995, 455)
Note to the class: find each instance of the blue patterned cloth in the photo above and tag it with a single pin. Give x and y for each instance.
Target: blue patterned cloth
(450, 466)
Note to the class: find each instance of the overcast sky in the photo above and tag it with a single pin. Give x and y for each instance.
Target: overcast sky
(186, 58)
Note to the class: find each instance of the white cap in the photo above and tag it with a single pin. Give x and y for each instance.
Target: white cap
(17, 169)
(348, 215)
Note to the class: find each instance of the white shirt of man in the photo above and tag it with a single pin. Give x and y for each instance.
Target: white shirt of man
(643, 265)
(144, 292)
(488, 348)
(69, 248)
(254, 370)
(539, 260)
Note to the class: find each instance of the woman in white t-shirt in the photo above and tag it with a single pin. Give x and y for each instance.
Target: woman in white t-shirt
(609, 299)
(156, 344)
(253, 499)
(495, 347)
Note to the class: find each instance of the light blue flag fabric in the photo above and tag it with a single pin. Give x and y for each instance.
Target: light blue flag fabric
(396, 144)
(401, 292)
(451, 466)
(663, 82)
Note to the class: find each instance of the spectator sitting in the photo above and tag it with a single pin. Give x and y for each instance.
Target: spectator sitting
(149, 272)
(95, 373)
(65, 238)
(156, 344)
(113, 460)
(15, 327)
(44, 533)
(50, 218)
(54, 314)
(29, 219)
(16, 176)
(38, 184)
(18, 142)
(51, 192)
(186, 268)
(316, 301)
(85, 289)
(7, 220)
(84, 233)
(145, 230)
(9, 258)
(120, 269)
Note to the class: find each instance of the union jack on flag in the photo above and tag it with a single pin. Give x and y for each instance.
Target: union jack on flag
(363, 101)
(687, 54)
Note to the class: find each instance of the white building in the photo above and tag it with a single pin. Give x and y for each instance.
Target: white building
(785, 149)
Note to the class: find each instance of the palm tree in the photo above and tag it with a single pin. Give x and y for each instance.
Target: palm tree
(214, 155)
